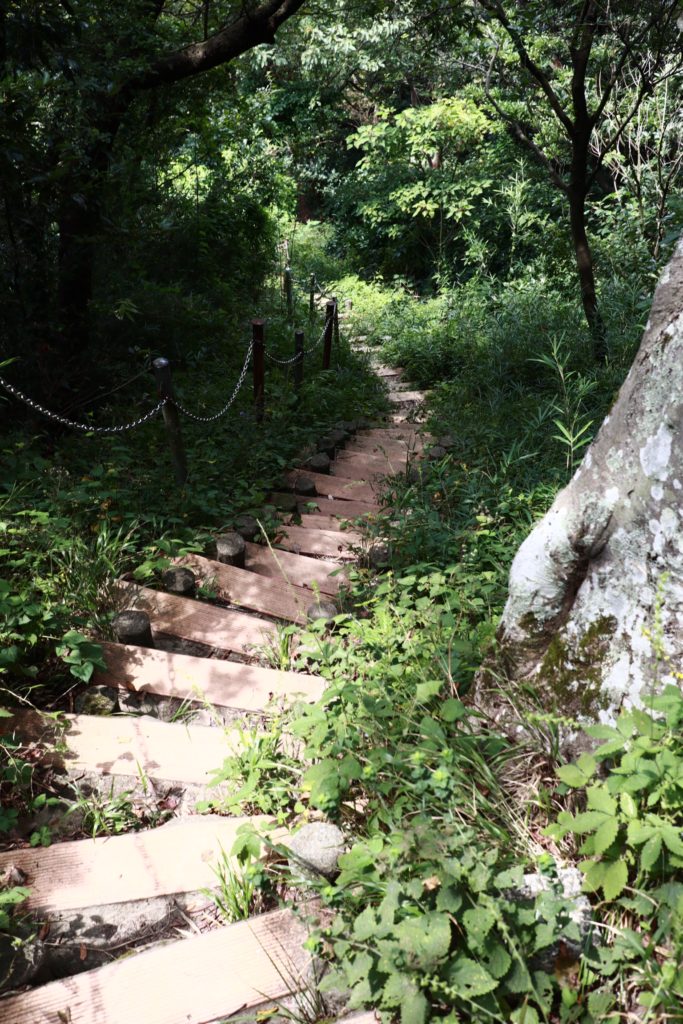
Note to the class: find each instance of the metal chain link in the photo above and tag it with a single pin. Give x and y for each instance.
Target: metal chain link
(86, 427)
(298, 355)
(233, 396)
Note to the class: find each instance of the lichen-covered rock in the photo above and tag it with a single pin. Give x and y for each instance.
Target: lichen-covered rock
(566, 947)
(96, 700)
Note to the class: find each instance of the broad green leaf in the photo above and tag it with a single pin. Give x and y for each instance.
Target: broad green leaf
(470, 979)
(599, 799)
(614, 879)
(649, 855)
(414, 1008)
(605, 835)
(478, 923)
(364, 925)
(426, 938)
(524, 1015)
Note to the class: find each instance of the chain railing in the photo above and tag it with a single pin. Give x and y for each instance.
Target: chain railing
(233, 396)
(76, 424)
(170, 406)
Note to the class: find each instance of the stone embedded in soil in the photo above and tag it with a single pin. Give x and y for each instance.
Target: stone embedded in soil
(315, 850)
(133, 627)
(447, 441)
(568, 886)
(319, 463)
(231, 549)
(305, 486)
(437, 452)
(179, 580)
(283, 502)
(247, 527)
(379, 556)
(322, 610)
(96, 700)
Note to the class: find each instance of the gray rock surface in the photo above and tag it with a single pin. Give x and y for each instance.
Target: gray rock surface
(315, 850)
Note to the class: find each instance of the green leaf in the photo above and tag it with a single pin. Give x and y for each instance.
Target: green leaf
(577, 775)
(614, 879)
(453, 710)
(599, 799)
(650, 852)
(470, 979)
(478, 923)
(415, 1008)
(426, 939)
(524, 1015)
(605, 835)
(425, 691)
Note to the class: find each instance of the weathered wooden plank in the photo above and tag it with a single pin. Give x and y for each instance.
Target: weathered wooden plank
(318, 542)
(176, 858)
(334, 523)
(395, 432)
(129, 746)
(388, 371)
(209, 680)
(399, 397)
(192, 981)
(368, 446)
(297, 569)
(368, 467)
(342, 509)
(334, 487)
(249, 590)
(223, 629)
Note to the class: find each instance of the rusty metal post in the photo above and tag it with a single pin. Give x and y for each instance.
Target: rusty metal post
(311, 302)
(162, 372)
(329, 329)
(259, 368)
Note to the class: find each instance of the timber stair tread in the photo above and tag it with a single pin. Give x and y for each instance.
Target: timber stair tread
(307, 541)
(196, 621)
(343, 509)
(334, 487)
(249, 590)
(300, 570)
(128, 746)
(208, 680)
(177, 857)
(203, 979)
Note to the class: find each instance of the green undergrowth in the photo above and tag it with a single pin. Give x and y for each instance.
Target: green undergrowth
(431, 919)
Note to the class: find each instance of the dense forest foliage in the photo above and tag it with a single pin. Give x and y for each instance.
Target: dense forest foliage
(496, 185)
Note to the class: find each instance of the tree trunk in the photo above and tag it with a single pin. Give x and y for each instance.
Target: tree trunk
(594, 616)
(584, 268)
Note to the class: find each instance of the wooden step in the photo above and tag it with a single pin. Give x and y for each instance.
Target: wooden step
(182, 617)
(399, 397)
(335, 487)
(334, 523)
(342, 509)
(249, 590)
(178, 857)
(368, 446)
(190, 981)
(388, 371)
(297, 569)
(208, 680)
(368, 466)
(126, 746)
(318, 542)
(394, 432)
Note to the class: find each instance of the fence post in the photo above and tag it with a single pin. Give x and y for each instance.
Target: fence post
(288, 293)
(336, 324)
(311, 303)
(162, 372)
(299, 362)
(259, 368)
(329, 328)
